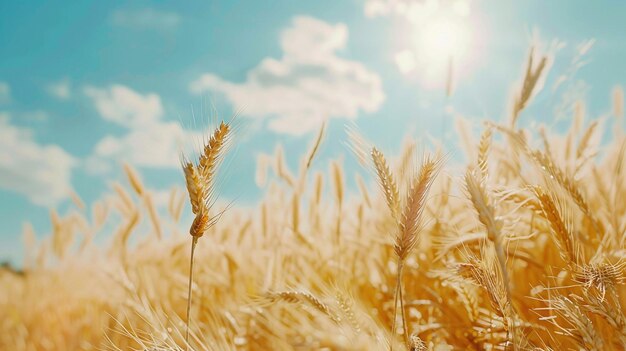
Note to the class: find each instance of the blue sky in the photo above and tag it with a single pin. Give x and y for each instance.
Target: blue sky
(86, 85)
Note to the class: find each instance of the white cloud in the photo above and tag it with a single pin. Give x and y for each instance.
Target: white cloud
(61, 90)
(126, 107)
(148, 142)
(146, 18)
(156, 145)
(5, 93)
(307, 85)
(415, 10)
(40, 172)
(406, 61)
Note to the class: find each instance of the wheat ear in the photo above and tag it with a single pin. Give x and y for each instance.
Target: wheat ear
(564, 239)
(390, 190)
(483, 152)
(306, 298)
(486, 215)
(529, 84)
(200, 180)
(583, 331)
(387, 182)
(410, 221)
(318, 142)
(409, 227)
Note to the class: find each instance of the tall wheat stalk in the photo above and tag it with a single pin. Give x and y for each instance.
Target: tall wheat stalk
(200, 180)
(409, 220)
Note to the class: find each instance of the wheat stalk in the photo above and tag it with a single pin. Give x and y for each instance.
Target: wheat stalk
(486, 215)
(200, 181)
(409, 226)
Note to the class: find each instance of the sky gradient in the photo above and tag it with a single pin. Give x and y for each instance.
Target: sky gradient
(85, 86)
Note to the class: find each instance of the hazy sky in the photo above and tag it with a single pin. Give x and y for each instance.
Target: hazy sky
(86, 85)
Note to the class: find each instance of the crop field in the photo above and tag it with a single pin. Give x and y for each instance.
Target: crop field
(521, 247)
(394, 175)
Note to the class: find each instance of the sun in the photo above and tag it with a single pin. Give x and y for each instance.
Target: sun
(439, 49)
(441, 39)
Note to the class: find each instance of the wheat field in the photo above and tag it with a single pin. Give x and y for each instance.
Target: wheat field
(521, 247)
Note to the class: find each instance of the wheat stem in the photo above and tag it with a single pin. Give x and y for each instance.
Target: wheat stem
(395, 307)
(194, 241)
(398, 297)
(405, 330)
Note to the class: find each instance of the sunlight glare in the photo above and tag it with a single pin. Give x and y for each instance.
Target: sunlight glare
(440, 48)
(441, 39)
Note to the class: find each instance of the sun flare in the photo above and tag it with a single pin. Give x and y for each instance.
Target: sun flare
(441, 39)
(438, 48)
